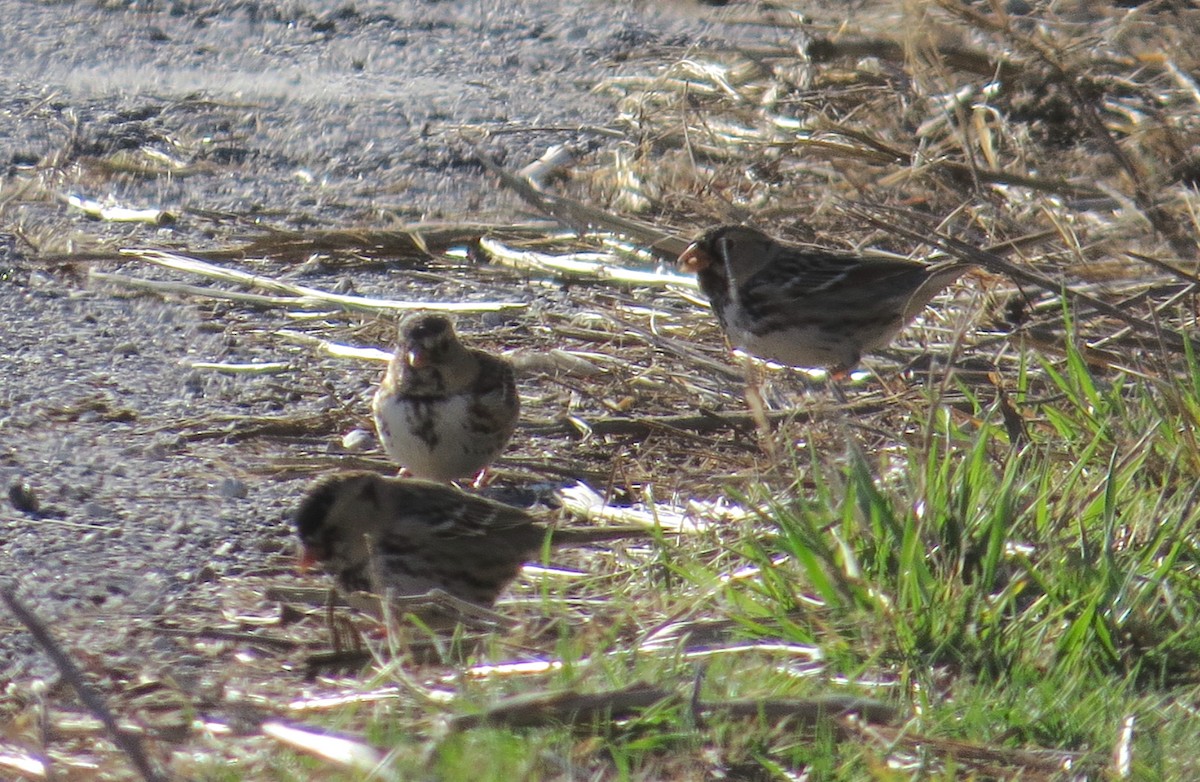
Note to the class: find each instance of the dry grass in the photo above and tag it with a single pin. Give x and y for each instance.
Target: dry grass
(1071, 136)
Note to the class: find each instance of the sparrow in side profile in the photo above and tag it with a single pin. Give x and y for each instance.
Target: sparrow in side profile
(808, 308)
(444, 411)
(409, 536)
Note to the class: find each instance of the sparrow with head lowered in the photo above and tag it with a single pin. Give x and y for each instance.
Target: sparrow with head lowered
(444, 411)
(808, 308)
(409, 536)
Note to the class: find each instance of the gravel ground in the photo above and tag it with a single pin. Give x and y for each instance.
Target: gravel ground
(290, 115)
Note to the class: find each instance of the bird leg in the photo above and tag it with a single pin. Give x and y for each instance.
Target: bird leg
(837, 377)
(758, 409)
(840, 374)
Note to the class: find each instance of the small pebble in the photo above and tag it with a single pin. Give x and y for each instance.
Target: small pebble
(234, 489)
(193, 383)
(97, 510)
(226, 549)
(23, 498)
(358, 440)
(495, 320)
(268, 546)
(163, 446)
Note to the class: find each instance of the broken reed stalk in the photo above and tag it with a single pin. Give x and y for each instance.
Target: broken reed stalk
(416, 241)
(306, 296)
(199, 291)
(580, 267)
(128, 743)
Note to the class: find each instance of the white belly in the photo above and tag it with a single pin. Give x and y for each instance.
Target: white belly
(810, 346)
(434, 440)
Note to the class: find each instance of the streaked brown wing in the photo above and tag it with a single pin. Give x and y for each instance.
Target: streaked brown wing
(846, 286)
(444, 512)
(496, 404)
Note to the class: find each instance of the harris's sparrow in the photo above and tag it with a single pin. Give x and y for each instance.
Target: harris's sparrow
(410, 536)
(808, 308)
(444, 411)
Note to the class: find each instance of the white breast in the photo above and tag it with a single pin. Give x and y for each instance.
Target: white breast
(433, 439)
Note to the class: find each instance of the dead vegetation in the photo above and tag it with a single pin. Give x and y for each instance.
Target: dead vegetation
(1064, 140)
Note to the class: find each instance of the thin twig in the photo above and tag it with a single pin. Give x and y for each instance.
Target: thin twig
(128, 743)
(282, 644)
(927, 234)
(702, 422)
